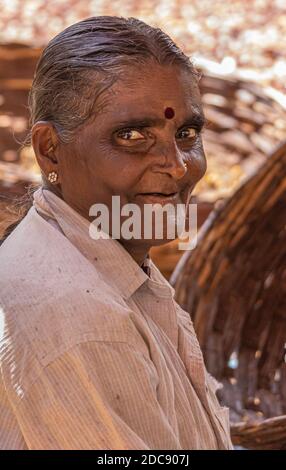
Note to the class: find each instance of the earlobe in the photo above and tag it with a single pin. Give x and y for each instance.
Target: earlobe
(44, 141)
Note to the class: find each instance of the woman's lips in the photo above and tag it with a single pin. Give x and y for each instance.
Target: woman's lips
(158, 198)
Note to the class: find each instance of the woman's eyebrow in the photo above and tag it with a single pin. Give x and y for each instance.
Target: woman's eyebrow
(195, 119)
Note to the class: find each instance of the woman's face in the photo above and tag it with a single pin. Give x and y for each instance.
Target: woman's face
(134, 147)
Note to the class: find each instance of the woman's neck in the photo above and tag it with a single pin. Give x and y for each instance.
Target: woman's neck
(138, 253)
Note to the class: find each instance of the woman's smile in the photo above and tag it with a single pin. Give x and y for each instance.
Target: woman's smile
(160, 198)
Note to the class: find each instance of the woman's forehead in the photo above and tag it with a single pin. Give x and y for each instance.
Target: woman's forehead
(153, 105)
(150, 113)
(155, 84)
(160, 82)
(152, 99)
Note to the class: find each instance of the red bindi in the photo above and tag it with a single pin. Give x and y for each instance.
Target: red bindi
(169, 113)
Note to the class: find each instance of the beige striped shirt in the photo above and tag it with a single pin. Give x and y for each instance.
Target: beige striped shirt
(94, 354)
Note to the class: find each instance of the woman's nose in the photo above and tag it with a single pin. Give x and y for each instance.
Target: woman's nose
(172, 160)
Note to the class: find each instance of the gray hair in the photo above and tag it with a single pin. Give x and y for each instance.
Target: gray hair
(85, 59)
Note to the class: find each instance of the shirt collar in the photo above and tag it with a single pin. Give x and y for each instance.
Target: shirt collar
(109, 257)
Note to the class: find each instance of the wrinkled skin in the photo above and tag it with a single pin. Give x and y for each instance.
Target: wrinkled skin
(107, 159)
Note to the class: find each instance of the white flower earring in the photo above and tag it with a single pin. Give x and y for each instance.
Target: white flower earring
(53, 176)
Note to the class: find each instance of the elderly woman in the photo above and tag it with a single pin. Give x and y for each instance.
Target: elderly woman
(95, 352)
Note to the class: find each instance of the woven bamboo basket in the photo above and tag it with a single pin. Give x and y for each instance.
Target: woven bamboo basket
(234, 286)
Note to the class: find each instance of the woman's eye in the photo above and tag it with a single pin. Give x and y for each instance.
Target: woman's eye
(188, 133)
(130, 134)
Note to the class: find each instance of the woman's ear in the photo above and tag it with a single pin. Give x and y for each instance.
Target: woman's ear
(45, 142)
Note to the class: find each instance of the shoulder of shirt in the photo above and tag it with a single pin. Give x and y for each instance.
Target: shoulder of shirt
(46, 310)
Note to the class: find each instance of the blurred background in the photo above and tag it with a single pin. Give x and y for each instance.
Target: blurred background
(234, 283)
